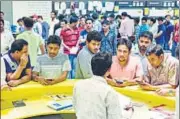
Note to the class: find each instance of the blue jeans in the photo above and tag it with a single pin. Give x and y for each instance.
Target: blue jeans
(174, 45)
(72, 59)
(166, 43)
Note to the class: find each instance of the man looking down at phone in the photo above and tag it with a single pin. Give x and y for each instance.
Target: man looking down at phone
(17, 63)
(126, 67)
(53, 67)
(162, 69)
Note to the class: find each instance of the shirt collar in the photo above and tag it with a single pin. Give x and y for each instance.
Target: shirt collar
(86, 48)
(99, 79)
(9, 54)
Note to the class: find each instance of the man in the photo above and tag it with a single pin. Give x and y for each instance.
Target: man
(93, 98)
(58, 25)
(7, 25)
(137, 29)
(169, 31)
(145, 39)
(70, 36)
(37, 27)
(144, 26)
(97, 24)
(160, 36)
(6, 38)
(53, 22)
(109, 40)
(83, 66)
(17, 62)
(126, 67)
(113, 25)
(153, 26)
(162, 68)
(21, 25)
(34, 40)
(45, 28)
(126, 29)
(83, 33)
(82, 23)
(3, 75)
(53, 67)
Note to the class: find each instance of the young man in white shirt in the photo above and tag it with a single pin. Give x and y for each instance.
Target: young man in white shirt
(93, 98)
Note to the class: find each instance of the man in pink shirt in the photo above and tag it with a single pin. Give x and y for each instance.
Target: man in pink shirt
(125, 66)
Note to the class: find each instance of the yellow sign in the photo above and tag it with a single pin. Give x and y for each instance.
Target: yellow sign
(116, 8)
(176, 12)
(146, 11)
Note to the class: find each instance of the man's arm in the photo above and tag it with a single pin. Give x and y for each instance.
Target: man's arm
(158, 34)
(85, 66)
(61, 78)
(42, 49)
(114, 110)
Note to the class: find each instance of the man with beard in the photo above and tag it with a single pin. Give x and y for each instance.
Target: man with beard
(53, 67)
(145, 39)
(83, 66)
(126, 67)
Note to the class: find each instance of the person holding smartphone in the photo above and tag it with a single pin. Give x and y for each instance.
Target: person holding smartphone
(52, 67)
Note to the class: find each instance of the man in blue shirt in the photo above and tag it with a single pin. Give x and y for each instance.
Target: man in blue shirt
(83, 34)
(109, 39)
(144, 27)
(160, 36)
(169, 31)
(17, 63)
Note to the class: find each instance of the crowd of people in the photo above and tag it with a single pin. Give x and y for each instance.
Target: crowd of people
(112, 49)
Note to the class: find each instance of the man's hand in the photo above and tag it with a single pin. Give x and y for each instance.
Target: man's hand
(5, 87)
(165, 92)
(14, 83)
(42, 81)
(23, 61)
(148, 87)
(51, 82)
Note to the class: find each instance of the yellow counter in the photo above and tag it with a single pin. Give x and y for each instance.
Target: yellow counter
(36, 95)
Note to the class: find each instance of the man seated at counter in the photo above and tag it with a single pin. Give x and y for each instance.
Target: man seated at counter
(145, 39)
(125, 66)
(162, 69)
(172, 92)
(17, 63)
(83, 66)
(52, 67)
(93, 98)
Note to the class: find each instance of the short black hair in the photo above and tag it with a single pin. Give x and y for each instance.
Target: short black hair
(104, 17)
(40, 17)
(18, 45)
(2, 12)
(160, 18)
(89, 19)
(126, 42)
(177, 51)
(73, 19)
(95, 16)
(28, 22)
(1, 20)
(20, 20)
(147, 34)
(124, 14)
(82, 17)
(101, 63)
(118, 16)
(112, 15)
(106, 22)
(61, 17)
(55, 12)
(137, 20)
(64, 20)
(153, 20)
(94, 35)
(154, 49)
(145, 19)
(168, 16)
(54, 40)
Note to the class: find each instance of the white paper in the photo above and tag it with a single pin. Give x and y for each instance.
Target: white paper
(63, 5)
(109, 6)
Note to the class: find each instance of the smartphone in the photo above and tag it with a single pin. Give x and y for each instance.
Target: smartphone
(49, 79)
(119, 81)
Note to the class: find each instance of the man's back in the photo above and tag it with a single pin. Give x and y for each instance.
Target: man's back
(34, 41)
(94, 99)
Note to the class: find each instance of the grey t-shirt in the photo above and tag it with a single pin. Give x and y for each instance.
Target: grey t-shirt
(83, 66)
(51, 68)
